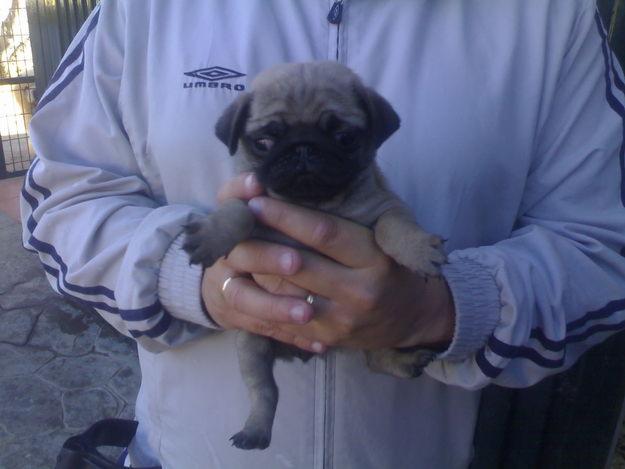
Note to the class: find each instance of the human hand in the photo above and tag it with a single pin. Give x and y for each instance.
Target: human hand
(363, 299)
(243, 304)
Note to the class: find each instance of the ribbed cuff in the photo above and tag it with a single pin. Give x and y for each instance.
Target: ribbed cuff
(476, 299)
(179, 286)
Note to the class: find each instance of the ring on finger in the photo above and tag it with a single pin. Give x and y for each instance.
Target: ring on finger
(226, 282)
(310, 299)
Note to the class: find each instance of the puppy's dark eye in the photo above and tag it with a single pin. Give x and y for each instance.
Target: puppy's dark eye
(263, 144)
(346, 139)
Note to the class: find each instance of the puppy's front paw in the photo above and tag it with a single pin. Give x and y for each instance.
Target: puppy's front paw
(422, 253)
(211, 237)
(408, 244)
(203, 243)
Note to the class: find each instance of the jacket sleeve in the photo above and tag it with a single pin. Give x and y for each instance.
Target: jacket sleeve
(530, 305)
(102, 236)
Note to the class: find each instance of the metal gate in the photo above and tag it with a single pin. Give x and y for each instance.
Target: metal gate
(17, 84)
(33, 36)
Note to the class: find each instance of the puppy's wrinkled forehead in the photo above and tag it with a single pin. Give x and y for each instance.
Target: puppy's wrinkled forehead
(298, 93)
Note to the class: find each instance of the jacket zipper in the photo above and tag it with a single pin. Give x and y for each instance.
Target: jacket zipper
(335, 16)
(325, 367)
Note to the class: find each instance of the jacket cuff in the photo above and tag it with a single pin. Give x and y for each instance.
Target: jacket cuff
(476, 299)
(179, 286)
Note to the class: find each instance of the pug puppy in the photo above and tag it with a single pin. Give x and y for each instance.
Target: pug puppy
(310, 132)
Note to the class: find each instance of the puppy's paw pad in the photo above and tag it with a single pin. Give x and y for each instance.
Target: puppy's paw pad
(248, 440)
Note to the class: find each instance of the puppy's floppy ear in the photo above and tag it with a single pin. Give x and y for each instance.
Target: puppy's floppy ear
(383, 119)
(232, 122)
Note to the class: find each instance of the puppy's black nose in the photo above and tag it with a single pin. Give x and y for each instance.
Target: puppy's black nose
(303, 150)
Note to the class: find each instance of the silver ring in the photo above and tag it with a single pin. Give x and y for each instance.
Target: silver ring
(225, 284)
(310, 299)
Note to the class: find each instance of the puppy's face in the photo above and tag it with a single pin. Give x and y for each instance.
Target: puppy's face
(307, 130)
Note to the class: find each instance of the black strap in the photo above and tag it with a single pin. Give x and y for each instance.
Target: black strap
(80, 451)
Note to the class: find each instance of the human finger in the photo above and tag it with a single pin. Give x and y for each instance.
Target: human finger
(229, 318)
(340, 239)
(243, 186)
(279, 285)
(245, 297)
(329, 279)
(288, 271)
(279, 333)
(262, 257)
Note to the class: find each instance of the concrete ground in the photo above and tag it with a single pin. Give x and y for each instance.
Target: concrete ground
(61, 367)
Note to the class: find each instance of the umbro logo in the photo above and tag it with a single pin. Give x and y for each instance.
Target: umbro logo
(213, 77)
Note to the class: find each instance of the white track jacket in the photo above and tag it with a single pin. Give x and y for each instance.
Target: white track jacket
(511, 147)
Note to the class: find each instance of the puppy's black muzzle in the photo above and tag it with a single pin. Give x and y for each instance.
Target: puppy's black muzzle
(308, 165)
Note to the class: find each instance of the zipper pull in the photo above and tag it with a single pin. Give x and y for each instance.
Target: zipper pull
(336, 12)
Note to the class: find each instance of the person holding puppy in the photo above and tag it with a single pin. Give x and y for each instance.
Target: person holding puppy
(511, 148)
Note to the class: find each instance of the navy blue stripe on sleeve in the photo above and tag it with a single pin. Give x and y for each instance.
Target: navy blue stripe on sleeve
(517, 351)
(557, 345)
(31, 181)
(597, 328)
(130, 315)
(72, 56)
(159, 329)
(618, 82)
(141, 314)
(601, 313)
(53, 93)
(511, 351)
(31, 224)
(47, 248)
(485, 366)
(56, 88)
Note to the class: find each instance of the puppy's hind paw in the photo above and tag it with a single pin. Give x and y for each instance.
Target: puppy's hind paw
(400, 363)
(249, 440)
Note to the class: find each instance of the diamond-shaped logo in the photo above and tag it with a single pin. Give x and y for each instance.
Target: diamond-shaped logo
(214, 73)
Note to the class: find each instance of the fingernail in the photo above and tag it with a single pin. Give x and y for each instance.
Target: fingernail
(317, 347)
(286, 262)
(298, 314)
(251, 184)
(256, 205)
